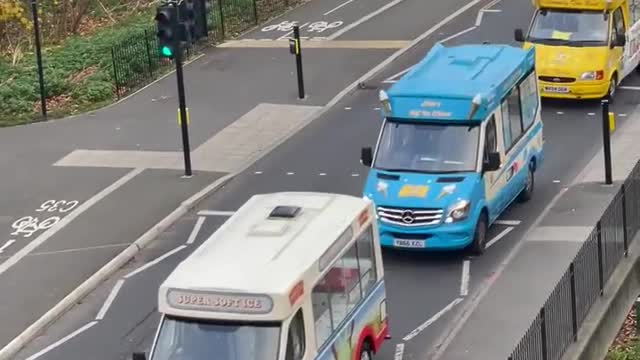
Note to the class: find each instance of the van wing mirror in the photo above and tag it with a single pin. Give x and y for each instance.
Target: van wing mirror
(366, 156)
(492, 162)
(518, 34)
(139, 356)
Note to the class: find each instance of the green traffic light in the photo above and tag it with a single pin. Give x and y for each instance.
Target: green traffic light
(166, 51)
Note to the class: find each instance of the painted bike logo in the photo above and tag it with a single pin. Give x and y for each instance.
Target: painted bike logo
(318, 26)
(28, 225)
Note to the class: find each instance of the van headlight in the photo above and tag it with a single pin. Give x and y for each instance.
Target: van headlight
(592, 75)
(458, 211)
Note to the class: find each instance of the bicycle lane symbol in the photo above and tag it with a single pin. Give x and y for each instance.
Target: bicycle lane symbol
(316, 27)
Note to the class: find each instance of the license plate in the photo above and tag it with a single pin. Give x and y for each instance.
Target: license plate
(409, 243)
(556, 89)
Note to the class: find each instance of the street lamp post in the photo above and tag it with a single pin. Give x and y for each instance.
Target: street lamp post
(36, 29)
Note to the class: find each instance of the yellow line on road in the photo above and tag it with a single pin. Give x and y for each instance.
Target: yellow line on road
(318, 44)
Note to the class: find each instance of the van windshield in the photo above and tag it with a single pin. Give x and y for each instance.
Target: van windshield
(569, 28)
(427, 147)
(188, 339)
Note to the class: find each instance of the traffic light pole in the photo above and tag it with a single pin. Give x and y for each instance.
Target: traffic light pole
(183, 113)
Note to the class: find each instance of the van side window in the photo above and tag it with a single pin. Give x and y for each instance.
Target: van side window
(506, 125)
(349, 279)
(529, 100)
(515, 119)
(491, 138)
(634, 9)
(296, 339)
(618, 23)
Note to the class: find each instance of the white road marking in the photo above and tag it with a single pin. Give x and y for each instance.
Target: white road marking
(291, 32)
(215, 213)
(7, 264)
(508, 222)
(98, 247)
(629, 87)
(622, 115)
(492, 10)
(258, 172)
(337, 7)
(150, 264)
(464, 281)
(363, 19)
(112, 296)
(559, 112)
(376, 108)
(479, 18)
(433, 319)
(389, 81)
(322, 174)
(498, 237)
(290, 173)
(6, 245)
(347, 108)
(399, 352)
(196, 230)
(591, 114)
(458, 34)
(355, 175)
(62, 341)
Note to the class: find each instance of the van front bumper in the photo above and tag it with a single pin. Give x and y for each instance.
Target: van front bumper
(440, 237)
(575, 90)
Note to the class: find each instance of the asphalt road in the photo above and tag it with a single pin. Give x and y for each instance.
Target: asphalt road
(324, 157)
(61, 224)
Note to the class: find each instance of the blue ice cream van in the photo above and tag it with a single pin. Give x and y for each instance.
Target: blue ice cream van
(461, 140)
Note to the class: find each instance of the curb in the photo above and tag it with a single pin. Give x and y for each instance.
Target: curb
(125, 256)
(607, 314)
(13, 347)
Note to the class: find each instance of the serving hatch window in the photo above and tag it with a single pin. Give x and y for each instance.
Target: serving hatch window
(573, 28)
(187, 339)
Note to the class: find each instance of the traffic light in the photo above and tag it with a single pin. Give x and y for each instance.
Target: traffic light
(167, 30)
(187, 15)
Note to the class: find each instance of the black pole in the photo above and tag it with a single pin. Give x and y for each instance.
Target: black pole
(606, 137)
(183, 111)
(296, 37)
(36, 30)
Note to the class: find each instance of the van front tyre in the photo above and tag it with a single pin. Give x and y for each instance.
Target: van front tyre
(612, 88)
(527, 191)
(365, 352)
(479, 235)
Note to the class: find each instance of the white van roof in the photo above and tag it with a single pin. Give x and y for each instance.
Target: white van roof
(252, 263)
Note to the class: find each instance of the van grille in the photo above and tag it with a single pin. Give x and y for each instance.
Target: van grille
(557, 79)
(409, 217)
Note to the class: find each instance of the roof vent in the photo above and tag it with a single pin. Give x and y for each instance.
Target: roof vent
(284, 212)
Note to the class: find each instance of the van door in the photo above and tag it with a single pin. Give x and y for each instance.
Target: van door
(618, 27)
(493, 182)
(512, 134)
(631, 54)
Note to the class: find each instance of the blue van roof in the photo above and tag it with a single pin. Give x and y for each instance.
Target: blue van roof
(443, 84)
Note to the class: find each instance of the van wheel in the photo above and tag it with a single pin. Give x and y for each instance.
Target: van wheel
(527, 192)
(612, 88)
(365, 352)
(479, 235)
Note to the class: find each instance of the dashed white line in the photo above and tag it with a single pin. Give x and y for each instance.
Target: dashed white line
(458, 34)
(376, 108)
(62, 341)
(591, 114)
(258, 172)
(622, 115)
(215, 213)
(433, 319)
(6, 245)
(499, 237)
(559, 112)
(556, 181)
(290, 173)
(347, 108)
(464, 281)
(150, 264)
(322, 174)
(399, 352)
(196, 230)
(508, 222)
(355, 175)
(110, 299)
(337, 7)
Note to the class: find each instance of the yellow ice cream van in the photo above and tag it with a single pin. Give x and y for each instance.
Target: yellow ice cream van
(584, 48)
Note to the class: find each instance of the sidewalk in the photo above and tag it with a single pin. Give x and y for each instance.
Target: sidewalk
(524, 282)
